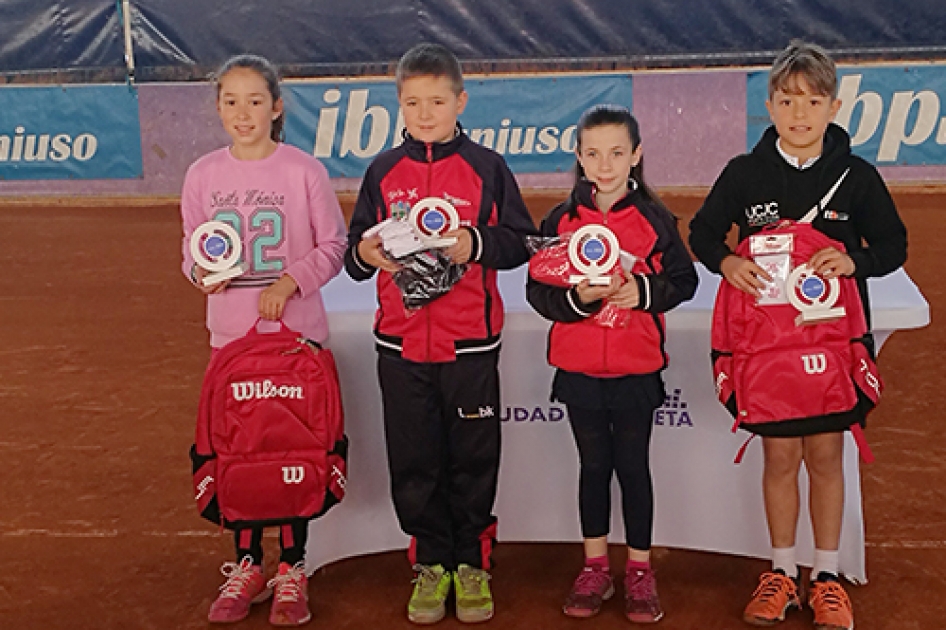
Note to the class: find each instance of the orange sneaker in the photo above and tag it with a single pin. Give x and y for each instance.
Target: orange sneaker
(776, 595)
(830, 603)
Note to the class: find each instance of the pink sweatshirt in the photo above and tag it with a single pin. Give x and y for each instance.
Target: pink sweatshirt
(288, 216)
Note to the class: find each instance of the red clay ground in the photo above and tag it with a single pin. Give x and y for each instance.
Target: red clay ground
(102, 349)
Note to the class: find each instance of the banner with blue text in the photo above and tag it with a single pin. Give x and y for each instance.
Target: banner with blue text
(69, 132)
(530, 121)
(895, 114)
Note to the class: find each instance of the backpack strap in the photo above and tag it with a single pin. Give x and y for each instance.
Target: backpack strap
(742, 450)
(811, 214)
(858, 433)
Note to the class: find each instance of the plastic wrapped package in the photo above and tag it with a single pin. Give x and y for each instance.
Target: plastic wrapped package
(550, 264)
(425, 276)
(426, 272)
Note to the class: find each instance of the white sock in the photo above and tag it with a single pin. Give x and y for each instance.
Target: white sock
(826, 561)
(784, 558)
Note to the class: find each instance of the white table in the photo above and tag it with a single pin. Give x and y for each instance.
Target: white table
(702, 500)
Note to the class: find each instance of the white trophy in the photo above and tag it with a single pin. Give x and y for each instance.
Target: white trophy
(216, 248)
(432, 216)
(813, 296)
(593, 250)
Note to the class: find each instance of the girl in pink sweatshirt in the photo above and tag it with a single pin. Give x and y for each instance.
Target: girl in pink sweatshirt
(293, 236)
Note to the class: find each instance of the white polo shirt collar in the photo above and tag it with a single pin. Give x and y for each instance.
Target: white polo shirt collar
(791, 159)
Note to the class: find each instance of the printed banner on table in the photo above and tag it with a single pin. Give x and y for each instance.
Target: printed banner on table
(69, 132)
(896, 115)
(530, 121)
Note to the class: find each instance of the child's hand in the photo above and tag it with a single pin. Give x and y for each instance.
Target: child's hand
(371, 252)
(460, 251)
(744, 274)
(589, 293)
(272, 301)
(200, 273)
(831, 262)
(627, 296)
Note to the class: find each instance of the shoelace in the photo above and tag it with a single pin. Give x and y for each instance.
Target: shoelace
(238, 577)
(288, 586)
(591, 582)
(472, 579)
(640, 585)
(830, 595)
(427, 579)
(771, 585)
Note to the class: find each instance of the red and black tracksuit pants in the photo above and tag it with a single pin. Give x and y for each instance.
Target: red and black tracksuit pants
(442, 431)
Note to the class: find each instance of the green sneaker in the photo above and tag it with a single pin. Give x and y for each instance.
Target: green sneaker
(474, 600)
(431, 587)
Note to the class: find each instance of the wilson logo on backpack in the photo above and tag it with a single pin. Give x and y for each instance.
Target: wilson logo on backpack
(721, 378)
(339, 477)
(870, 378)
(249, 390)
(293, 474)
(814, 363)
(202, 487)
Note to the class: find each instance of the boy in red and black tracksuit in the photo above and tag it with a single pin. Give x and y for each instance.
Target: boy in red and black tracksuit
(438, 364)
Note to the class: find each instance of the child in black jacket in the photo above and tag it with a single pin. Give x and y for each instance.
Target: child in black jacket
(788, 175)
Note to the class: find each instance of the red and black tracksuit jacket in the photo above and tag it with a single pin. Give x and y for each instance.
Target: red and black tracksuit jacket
(437, 365)
(477, 181)
(663, 271)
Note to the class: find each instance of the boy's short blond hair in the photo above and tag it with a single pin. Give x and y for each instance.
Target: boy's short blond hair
(804, 59)
(429, 60)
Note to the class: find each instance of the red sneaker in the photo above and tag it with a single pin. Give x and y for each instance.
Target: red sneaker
(641, 604)
(244, 587)
(830, 604)
(591, 588)
(775, 595)
(290, 596)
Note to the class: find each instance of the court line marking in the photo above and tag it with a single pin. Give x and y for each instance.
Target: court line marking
(908, 544)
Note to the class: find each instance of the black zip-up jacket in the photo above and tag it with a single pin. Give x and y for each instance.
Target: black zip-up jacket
(760, 188)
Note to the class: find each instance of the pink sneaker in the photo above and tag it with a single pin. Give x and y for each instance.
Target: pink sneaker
(591, 588)
(291, 596)
(641, 604)
(244, 587)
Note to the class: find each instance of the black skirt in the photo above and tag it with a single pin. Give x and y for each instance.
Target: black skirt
(592, 392)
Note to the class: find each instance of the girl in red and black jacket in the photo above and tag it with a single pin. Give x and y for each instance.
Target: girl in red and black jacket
(609, 376)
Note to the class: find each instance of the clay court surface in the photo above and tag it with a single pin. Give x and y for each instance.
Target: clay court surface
(102, 349)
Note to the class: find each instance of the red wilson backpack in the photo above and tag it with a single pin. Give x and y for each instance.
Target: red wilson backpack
(270, 444)
(770, 366)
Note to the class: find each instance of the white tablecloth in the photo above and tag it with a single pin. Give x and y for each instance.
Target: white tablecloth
(702, 500)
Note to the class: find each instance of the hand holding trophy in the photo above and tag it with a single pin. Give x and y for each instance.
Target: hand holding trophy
(217, 248)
